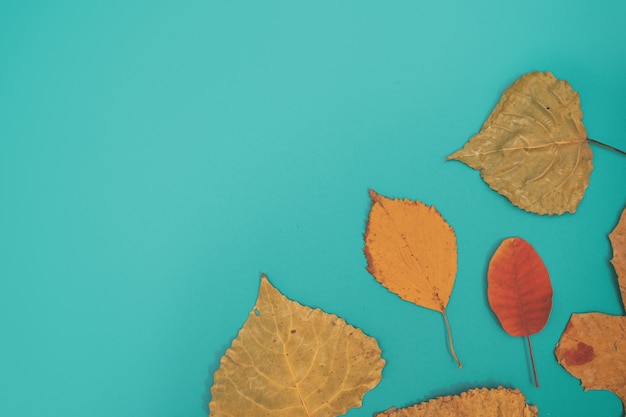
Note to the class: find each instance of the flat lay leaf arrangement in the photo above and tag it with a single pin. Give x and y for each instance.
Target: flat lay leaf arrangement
(593, 345)
(289, 360)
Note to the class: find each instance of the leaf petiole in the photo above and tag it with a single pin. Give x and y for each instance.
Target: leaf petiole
(532, 361)
(445, 318)
(606, 146)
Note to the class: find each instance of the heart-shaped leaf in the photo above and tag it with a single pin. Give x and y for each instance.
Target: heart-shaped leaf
(533, 148)
(289, 360)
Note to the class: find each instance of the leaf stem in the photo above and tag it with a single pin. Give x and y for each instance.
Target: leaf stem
(445, 318)
(606, 146)
(532, 361)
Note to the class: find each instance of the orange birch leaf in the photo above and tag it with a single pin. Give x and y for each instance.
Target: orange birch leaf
(481, 402)
(519, 290)
(289, 360)
(593, 345)
(411, 251)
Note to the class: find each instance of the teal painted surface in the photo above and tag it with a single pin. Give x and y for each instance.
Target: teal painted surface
(156, 157)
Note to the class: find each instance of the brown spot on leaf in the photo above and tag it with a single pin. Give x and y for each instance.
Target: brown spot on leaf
(581, 355)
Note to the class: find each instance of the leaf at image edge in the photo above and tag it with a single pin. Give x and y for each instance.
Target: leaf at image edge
(618, 242)
(481, 402)
(593, 345)
(289, 360)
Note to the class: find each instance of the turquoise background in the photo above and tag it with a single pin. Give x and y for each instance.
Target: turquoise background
(156, 157)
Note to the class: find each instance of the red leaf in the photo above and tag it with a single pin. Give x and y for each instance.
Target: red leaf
(519, 289)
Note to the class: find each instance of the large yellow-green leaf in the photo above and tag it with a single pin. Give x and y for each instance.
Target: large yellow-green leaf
(533, 147)
(289, 360)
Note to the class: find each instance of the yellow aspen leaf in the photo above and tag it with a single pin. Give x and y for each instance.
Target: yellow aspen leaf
(533, 147)
(411, 250)
(593, 345)
(481, 402)
(289, 360)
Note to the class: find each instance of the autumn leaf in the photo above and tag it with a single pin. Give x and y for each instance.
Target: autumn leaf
(533, 148)
(411, 251)
(618, 242)
(481, 402)
(289, 360)
(593, 345)
(519, 290)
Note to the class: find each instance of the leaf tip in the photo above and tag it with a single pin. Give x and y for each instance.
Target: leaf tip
(374, 195)
(452, 157)
(265, 286)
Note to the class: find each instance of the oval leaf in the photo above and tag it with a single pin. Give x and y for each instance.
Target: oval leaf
(411, 251)
(519, 288)
(289, 360)
(533, 147)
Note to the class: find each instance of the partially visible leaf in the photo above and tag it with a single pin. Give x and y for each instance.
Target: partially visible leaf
(533, 147)
(411, 251)
(593, 349)
(289, 360)
(519, 290)
(478, 402)
(593, 345)
(618, 242)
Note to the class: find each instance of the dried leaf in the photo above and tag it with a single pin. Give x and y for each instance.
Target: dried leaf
(593, 345)
(519, 290)
(411, 251)
(481, 402)
(533, 147)
(289, 360)
(593, 349)
(618, 242)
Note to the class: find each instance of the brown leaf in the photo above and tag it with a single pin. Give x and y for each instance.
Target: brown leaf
(618, 242)
(289, 360)
(593, 349)
(533, 147)
(481, 402)
(411, 251)
(593, 345)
